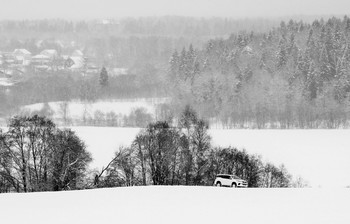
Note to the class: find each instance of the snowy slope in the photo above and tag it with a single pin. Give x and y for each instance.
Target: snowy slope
(316, 155)
(175, 205)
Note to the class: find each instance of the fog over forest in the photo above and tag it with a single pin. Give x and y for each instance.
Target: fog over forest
(92, 9)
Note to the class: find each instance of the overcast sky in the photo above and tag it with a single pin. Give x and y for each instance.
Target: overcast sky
(90, 9)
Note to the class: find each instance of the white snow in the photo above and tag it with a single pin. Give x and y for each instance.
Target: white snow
(319, 156)
(175, 205)
(5, 82)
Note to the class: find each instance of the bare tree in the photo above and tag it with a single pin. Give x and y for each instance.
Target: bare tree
(36, 156)
(64, 110)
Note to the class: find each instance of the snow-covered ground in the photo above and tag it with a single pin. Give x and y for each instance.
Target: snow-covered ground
(175, 205)
(5, 82)
(319, 156)
(76, 109)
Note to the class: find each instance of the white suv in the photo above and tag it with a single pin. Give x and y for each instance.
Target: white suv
(229, 181)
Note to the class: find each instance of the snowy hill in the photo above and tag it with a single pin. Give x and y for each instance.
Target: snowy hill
(175, 205)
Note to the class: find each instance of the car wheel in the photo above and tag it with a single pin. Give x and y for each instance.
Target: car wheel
(234, 185)
(218, 184)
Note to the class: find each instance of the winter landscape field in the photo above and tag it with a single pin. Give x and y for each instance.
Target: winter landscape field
(174, 112)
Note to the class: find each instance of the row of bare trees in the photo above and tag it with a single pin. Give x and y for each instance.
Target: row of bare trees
(37, 156)
(182, 155)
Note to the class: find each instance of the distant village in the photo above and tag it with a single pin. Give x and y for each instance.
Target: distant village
(22, 61)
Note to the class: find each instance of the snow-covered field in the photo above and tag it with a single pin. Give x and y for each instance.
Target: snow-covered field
(319, 156)
(76, 109)
(175, 205)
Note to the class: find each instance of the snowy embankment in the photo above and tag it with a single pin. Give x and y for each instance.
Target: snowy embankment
(175, 205)
(319, 156)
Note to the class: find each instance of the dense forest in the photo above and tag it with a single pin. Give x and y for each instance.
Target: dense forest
(294, 76)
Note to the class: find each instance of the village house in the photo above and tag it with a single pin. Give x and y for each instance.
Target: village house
(75, 63)
(40, 59)
(8, 64)
(77, 53)
(44, 60)
(22, 56)
(50, 53)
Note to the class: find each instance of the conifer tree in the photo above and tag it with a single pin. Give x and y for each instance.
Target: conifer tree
(183, 64)
(104, 77)
(347, 26)
(174, 65)
(281, 55)
(311, 82)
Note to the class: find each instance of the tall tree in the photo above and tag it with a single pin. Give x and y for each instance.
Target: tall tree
(69, 159)
(40, 157)
(103, 77)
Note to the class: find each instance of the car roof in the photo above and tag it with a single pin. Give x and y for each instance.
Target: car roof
(222, 174)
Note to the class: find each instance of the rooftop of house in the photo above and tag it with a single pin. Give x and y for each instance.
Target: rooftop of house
(78, 62)
(21, 52)
(40, 56)
(49, 52)
(77, 53)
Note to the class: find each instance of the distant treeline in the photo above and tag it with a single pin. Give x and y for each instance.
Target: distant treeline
(164, 26)
(294, 76)
(61, 86)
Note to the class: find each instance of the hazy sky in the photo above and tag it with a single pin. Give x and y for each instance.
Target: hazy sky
(81, 9)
